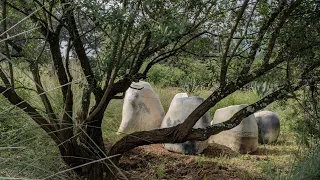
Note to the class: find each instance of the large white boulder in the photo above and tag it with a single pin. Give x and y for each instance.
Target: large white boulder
(242, 138)
(268, 125)
(142, 109)
(180, 108)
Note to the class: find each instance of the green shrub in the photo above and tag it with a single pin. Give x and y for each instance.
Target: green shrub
(309, 167)
(165, 75)
(236, 98)
(261, 88)
(181, 72)
(190, 87)
(27, 152)
(300, 115)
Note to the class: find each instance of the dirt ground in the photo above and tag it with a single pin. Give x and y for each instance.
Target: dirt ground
(155, 162)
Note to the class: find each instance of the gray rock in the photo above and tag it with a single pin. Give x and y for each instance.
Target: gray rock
(142, 109)
(268, 125)
(242, 138)
(180, 108)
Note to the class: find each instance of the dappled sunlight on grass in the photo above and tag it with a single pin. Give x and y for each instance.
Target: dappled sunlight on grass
(112, 120)
(278, 161)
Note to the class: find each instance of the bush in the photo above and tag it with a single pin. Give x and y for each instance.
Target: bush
(308, 168)
(165, 75)
(180, 74)
(238, 97)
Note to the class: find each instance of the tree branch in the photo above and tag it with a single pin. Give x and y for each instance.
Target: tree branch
(4, 24)
(275, 34)
(80, 51)
(53, 40)
(16, 100)
(51, 15)
(243, 36)
(36, 77)
(170, 53)
(224, 66)
(109, 85)
(256, 44)
(169, 135)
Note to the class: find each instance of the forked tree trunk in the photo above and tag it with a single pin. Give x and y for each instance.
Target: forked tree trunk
(86, 148)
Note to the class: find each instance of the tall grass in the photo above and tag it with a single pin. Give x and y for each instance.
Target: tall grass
(27, 152)
(309, 167)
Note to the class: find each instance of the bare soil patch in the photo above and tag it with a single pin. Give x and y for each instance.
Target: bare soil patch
(155, 162)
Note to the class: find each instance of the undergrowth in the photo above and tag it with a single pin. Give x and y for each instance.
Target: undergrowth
(27, 152)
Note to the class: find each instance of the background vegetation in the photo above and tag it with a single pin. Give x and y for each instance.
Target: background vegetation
(26, 151)
(66, 64)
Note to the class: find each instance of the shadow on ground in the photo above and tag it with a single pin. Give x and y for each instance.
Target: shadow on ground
(155, 162)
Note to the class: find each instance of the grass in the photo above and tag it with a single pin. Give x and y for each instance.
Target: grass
(280, 156)
(38, 157)
(309, 166)
(272, 161)
(27, 151)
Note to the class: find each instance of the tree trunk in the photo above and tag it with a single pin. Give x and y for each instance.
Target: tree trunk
(91, 148)
(75, 155)
(96, 171)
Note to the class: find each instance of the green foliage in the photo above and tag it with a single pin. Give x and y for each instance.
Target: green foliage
(308, 168)
(190, 87)
(238, 97)
(307, 125)
(195, 70)
(184, 73)
(165, 75)
(261, 89)
(160, 172)
(26, 151)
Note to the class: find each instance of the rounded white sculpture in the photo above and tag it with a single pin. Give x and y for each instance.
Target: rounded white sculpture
(180, 108)
(142, 109)
(242, 138)
(268, 126)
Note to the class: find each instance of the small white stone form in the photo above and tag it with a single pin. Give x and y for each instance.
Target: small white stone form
(268, 125)
(242, 138)
(180, 108)
(142, 109)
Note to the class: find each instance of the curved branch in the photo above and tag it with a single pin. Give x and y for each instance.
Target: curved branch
(34, 68)
(169, 135)
(170, 53)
